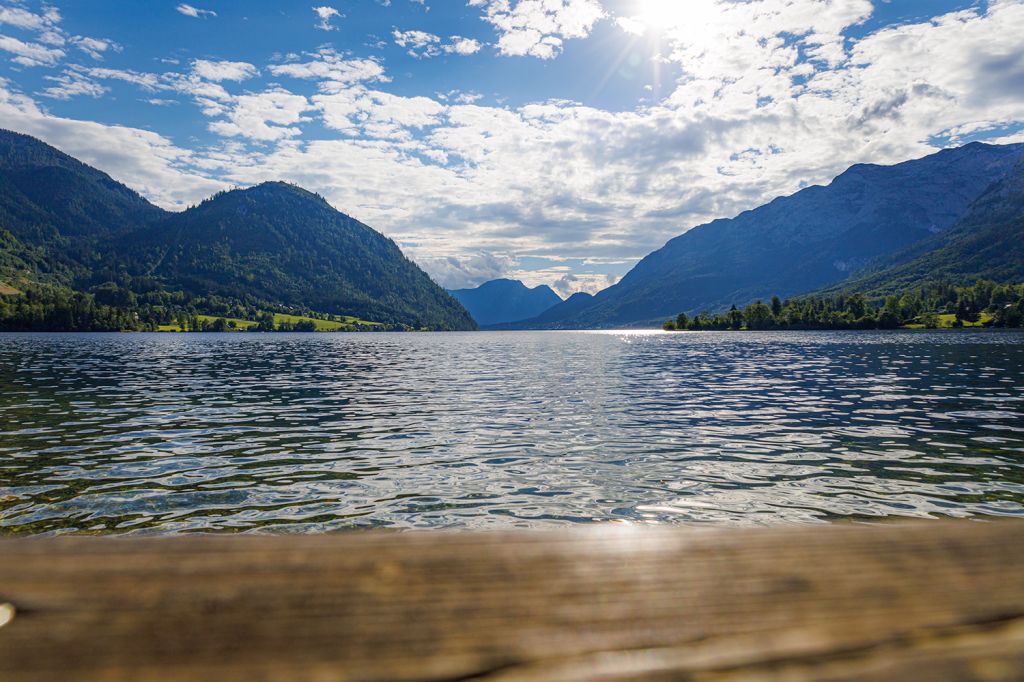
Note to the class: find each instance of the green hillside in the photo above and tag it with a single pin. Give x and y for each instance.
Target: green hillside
(79, 250)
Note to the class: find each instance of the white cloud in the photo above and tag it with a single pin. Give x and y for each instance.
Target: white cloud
(377, 114)
(30, 54)
(420, 44)
(414, 39)
(462, 46)
(147, 81)
(22, 18)
(538, 28)
(570, 283)
(265, 117)
(332, 70)
(143, 160)
(49, 40)
(195, 12)
(326, 15)
(72, 84)
(223, 70)
(632, 25)
(466, 271)
(459, 97)
(95, 47)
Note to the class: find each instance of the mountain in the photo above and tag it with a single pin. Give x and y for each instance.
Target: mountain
(800, 243)
(986, 243)
(553, 316)
(279, 243)
(272, 247)
(53, 209)
(46, 194)
(505, 300)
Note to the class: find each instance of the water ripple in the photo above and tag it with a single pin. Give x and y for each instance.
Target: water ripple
(303, 433)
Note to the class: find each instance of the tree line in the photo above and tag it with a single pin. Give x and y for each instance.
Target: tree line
(993, 304)
(113, 309)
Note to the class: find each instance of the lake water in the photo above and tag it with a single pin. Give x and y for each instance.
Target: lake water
(303, 433)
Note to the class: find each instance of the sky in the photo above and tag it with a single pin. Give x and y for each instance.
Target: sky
(552, 141)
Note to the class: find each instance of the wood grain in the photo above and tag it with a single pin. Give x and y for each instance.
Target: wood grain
(935, 601)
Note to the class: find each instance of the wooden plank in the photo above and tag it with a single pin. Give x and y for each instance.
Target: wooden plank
(937, 601)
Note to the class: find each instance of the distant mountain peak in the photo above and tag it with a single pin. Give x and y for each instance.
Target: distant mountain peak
(273, 187)
(501, 301)
(580, 296)
(514, 285)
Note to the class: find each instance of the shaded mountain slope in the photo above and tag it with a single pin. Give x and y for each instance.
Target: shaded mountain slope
(800, 243)
(553, 317)
(505, 300)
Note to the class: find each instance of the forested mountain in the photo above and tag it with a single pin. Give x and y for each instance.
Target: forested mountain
(45, 194)
(505, 300)
(54, 209)
(279, 243)
(800, 243)
(67, 228)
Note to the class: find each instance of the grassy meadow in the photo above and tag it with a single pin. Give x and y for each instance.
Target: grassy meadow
(236, 324)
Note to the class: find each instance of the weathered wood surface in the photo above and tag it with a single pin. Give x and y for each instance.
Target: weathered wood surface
(935, 601)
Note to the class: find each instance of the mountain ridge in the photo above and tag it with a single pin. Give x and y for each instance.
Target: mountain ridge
(272, 246)
(987, 242)
(799, 243)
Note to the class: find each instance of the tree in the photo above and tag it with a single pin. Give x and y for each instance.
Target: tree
(682, 321)
(888, 320)
(702, 321)
(735, 318)
(265, 322)
(965, 313)
(856, 306)
(776, 307)
(758, 316)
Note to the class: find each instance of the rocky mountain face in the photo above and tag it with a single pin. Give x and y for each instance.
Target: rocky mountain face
(987, 242)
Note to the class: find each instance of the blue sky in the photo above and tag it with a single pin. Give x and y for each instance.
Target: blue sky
(557, 141)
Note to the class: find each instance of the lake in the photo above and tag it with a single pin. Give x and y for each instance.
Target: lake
(171, 433)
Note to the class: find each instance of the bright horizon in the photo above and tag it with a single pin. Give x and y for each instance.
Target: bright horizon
(551, 141)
